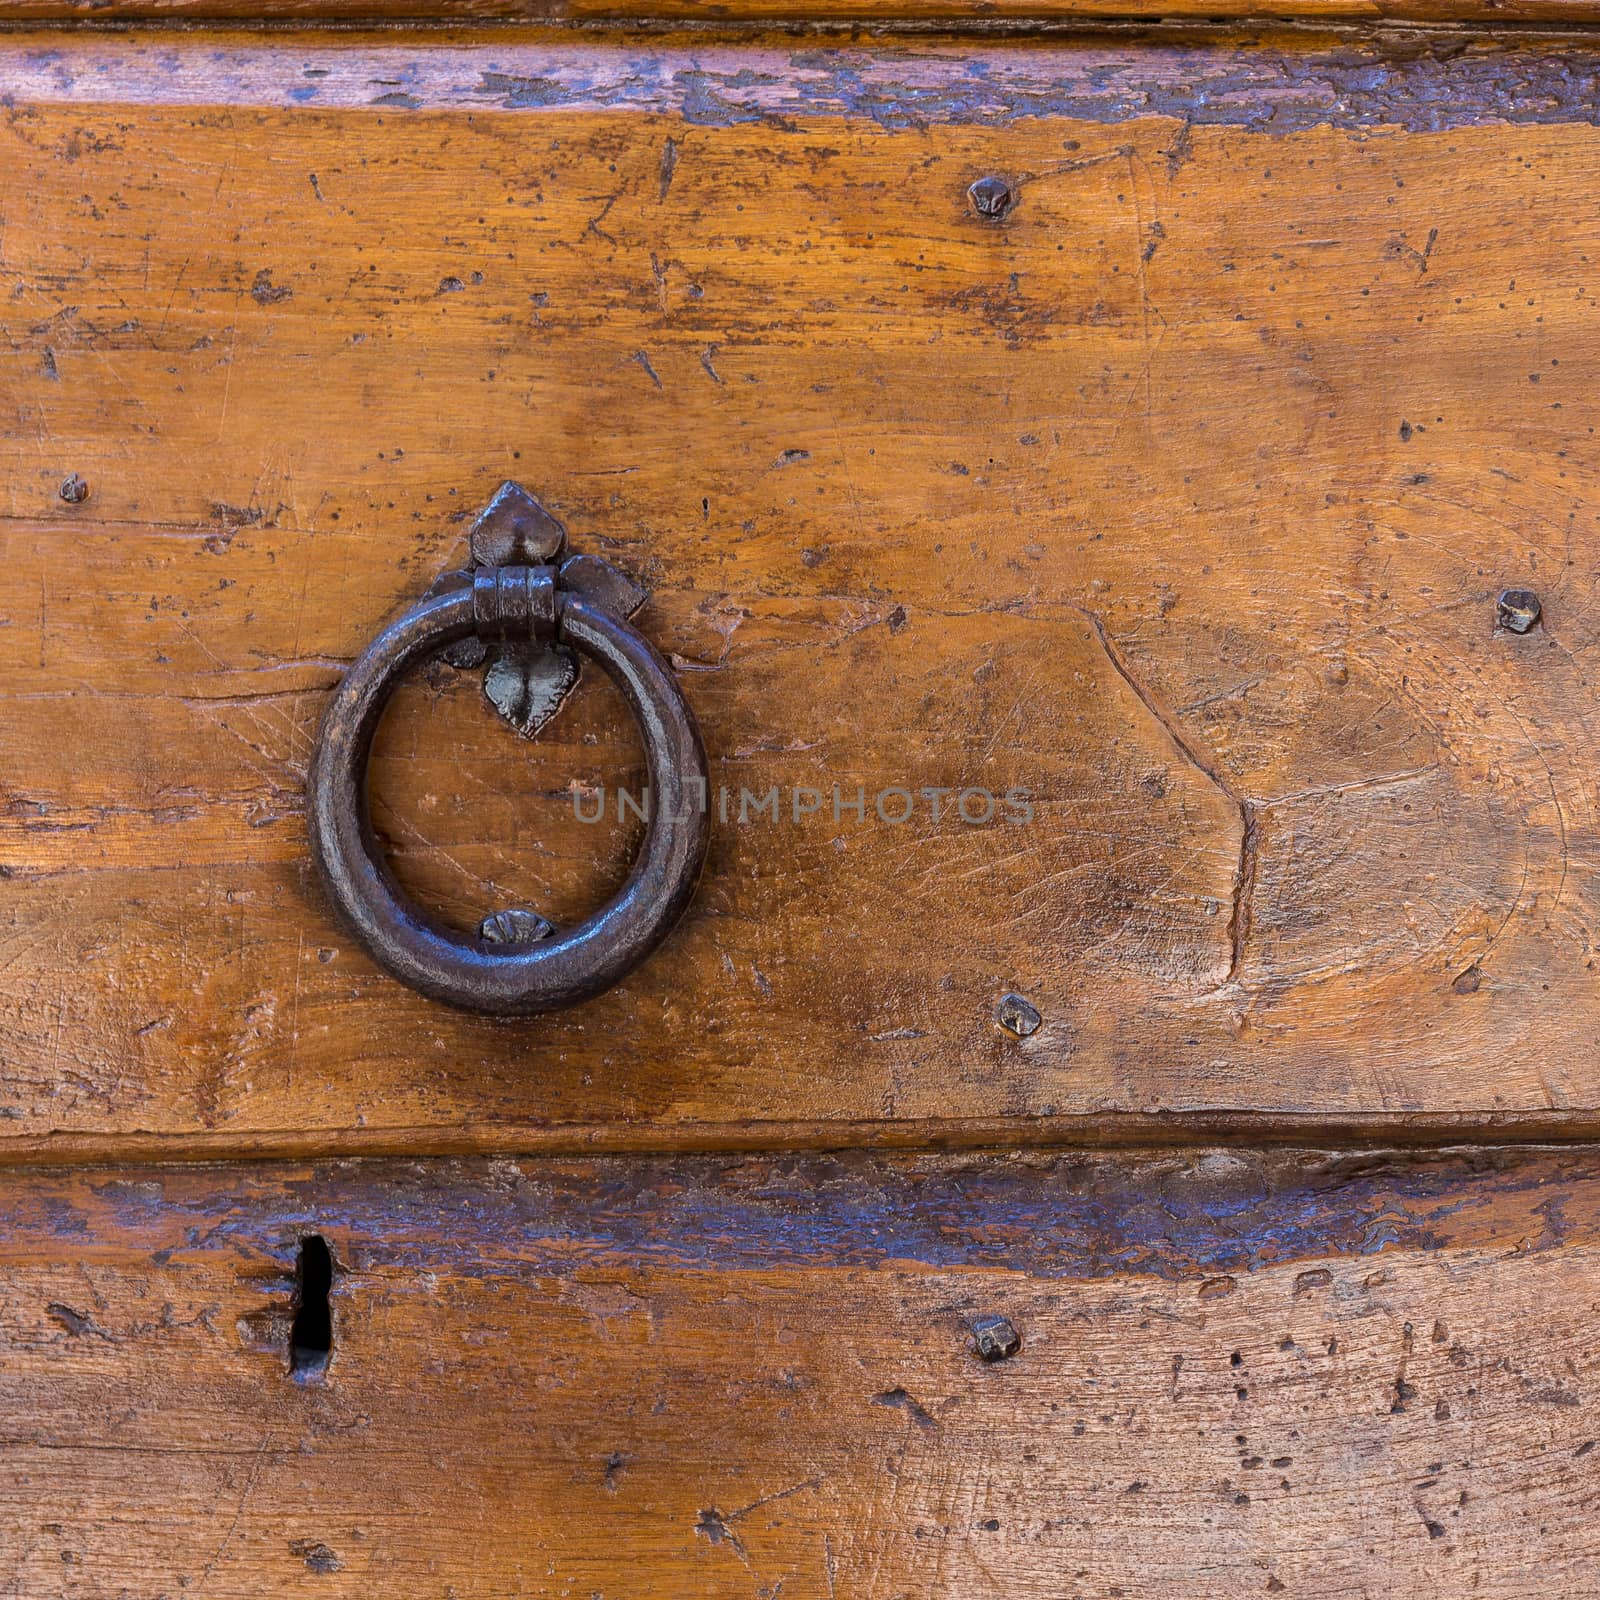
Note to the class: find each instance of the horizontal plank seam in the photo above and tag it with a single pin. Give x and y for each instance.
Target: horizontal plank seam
(1119, 1133)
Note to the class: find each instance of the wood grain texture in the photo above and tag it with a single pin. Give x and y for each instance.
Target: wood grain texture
(1180, 498)
(1296, 1375)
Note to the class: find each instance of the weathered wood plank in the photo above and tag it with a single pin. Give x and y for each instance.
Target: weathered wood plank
(1179, 498)
(1238, 1375)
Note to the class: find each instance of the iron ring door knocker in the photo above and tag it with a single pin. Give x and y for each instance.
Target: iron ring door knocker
(530, 614)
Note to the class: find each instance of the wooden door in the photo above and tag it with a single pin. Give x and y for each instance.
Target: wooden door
(1151, 1157)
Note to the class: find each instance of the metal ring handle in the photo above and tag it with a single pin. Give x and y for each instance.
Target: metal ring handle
(469, 972)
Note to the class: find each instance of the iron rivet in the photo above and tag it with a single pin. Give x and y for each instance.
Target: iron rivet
(514, 927)
(1517, 610)
(74, 490)
(996, 1337)
(991, 198)
(1017, 1016)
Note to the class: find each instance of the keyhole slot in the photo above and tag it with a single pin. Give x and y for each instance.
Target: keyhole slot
(311, 1337)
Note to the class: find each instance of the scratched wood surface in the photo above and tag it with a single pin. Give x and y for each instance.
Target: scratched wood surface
(1238, 1376)
(1179, 497)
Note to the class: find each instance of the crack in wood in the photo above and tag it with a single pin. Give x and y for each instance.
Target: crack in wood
(1244, 877)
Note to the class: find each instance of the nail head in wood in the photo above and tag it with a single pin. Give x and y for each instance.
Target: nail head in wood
(514, 927)
(995, 1337)
(991, 198)
(1017, 1016)
(1517, 610)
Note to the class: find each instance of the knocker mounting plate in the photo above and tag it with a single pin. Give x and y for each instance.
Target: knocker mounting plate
(528, 682)
(527, 612)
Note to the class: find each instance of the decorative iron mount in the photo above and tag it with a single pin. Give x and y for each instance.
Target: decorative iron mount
(526, 680)
(528, 613)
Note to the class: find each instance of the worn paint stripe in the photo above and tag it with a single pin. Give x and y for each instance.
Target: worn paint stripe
(1277, 84)
(1170, 1216)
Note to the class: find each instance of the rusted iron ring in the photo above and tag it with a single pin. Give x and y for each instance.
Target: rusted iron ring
(564, 967)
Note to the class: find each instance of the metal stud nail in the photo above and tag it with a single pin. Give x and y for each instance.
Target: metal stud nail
(996, 1337)
(991, 198)
(514, 927)
(74, 490)
(1517, 610)
(1017, 1015)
